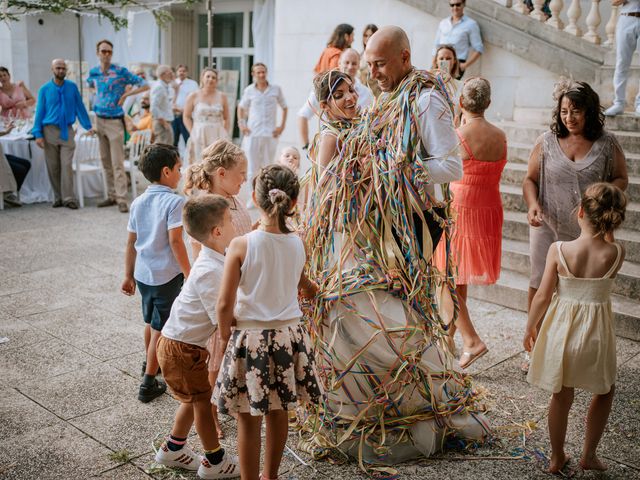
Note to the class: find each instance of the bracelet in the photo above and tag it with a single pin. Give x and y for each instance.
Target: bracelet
(305, 146)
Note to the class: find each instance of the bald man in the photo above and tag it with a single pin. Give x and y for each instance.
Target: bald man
(388, 56)
(59, 103)
(349, 63)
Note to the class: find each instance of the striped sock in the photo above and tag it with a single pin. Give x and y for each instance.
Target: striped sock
(174, 443)
(214, 456)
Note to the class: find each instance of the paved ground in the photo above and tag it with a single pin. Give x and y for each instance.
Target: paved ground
(69, 373)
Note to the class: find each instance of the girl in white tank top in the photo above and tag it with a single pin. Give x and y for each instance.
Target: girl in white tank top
(268, 365)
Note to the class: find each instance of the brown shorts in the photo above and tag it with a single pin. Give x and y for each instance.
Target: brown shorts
(184, 368)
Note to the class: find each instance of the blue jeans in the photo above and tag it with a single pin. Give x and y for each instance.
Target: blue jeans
(179, 129)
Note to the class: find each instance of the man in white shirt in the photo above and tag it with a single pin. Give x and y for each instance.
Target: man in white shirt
(162, 106)
(389, 59)
(349, 63)
(627, 41)
(462, 33)
(185, 86)
(257, 118)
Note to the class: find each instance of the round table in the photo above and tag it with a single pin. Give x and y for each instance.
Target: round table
(36, 187)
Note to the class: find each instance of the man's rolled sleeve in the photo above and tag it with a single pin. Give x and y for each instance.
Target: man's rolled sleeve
(281, 100)
(439, 138)
(475, 39)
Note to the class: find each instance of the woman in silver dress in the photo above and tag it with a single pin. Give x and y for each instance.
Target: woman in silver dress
(576, 152)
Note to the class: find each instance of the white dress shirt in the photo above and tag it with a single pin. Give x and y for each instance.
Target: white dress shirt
(312, 107)
(193, 314)
(185, 87)
(162, 101)
(439, 141)
(463, 35)
(262, 108)
(630, 6)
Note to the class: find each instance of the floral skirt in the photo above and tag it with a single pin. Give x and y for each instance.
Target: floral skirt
(265, 370)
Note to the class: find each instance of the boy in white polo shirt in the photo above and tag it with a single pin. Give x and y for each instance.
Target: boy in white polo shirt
(182, 349)
(156, 259)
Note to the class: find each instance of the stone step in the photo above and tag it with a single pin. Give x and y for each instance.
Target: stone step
(628, 122)
(516, 227)
(511, 291)
(514, 173)
(515, 257)
(523, 133)
(518, 152)
(512, 199)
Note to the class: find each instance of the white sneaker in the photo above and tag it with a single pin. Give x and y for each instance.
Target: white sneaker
(183, 458)
(227, 468)
(615, 109)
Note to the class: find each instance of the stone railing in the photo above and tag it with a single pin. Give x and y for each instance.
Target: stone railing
(573, 12)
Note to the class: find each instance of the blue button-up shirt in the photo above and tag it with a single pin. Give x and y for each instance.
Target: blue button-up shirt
(153, 214)
(49, 105)
(110, 87)
(463, 35)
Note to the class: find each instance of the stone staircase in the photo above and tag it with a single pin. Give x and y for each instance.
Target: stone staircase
(511, 289)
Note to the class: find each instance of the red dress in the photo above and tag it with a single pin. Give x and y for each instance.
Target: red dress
(476, 243)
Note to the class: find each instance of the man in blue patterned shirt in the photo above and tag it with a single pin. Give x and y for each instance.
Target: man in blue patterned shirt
(110, 82)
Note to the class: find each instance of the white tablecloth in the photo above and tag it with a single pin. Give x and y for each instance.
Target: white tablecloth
(36, 187)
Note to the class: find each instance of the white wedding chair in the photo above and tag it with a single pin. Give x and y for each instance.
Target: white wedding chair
(86, 161)
(137, 143)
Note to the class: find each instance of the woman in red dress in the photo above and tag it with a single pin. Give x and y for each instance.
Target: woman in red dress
(476, 243)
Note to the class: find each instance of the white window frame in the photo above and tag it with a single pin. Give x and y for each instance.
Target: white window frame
(239, 6)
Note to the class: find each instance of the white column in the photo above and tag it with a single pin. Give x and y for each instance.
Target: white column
(537, 12)
(520, 7)
(610, 29)
(593, 22)
(556, 7)
(574, 13)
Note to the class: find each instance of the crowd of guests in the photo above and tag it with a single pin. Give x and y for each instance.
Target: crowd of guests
(252, 272)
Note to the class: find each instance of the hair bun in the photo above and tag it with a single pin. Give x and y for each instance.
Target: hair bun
(277, 196)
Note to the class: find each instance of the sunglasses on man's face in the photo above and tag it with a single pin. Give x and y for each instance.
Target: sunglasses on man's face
(109, 52)
(453, 5)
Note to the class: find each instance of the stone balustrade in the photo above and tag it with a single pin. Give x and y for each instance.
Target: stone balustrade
(551, 11)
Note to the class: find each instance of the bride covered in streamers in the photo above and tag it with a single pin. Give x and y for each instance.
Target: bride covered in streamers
(391, 390)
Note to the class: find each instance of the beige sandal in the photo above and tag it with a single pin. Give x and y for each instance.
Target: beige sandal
(472, 357)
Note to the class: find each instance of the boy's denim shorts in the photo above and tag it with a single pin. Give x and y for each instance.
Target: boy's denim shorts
(157, 301)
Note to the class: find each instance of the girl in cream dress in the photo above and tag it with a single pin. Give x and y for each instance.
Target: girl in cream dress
(571, 328)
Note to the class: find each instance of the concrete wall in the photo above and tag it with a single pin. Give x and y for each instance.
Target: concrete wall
(57, 37)
(298, 44)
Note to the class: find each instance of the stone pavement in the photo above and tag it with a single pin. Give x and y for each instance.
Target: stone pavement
(69, 373)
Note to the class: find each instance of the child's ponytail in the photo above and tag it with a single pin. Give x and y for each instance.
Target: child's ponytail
(197, 178)
(221, 153)
(276, 188)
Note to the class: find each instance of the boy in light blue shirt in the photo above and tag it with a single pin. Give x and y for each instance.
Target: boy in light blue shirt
(156, 258)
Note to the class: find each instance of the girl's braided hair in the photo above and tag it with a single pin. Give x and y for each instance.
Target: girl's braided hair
(221, 153)
(276, 188)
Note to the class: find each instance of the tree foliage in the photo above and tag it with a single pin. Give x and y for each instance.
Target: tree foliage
(113, 10)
